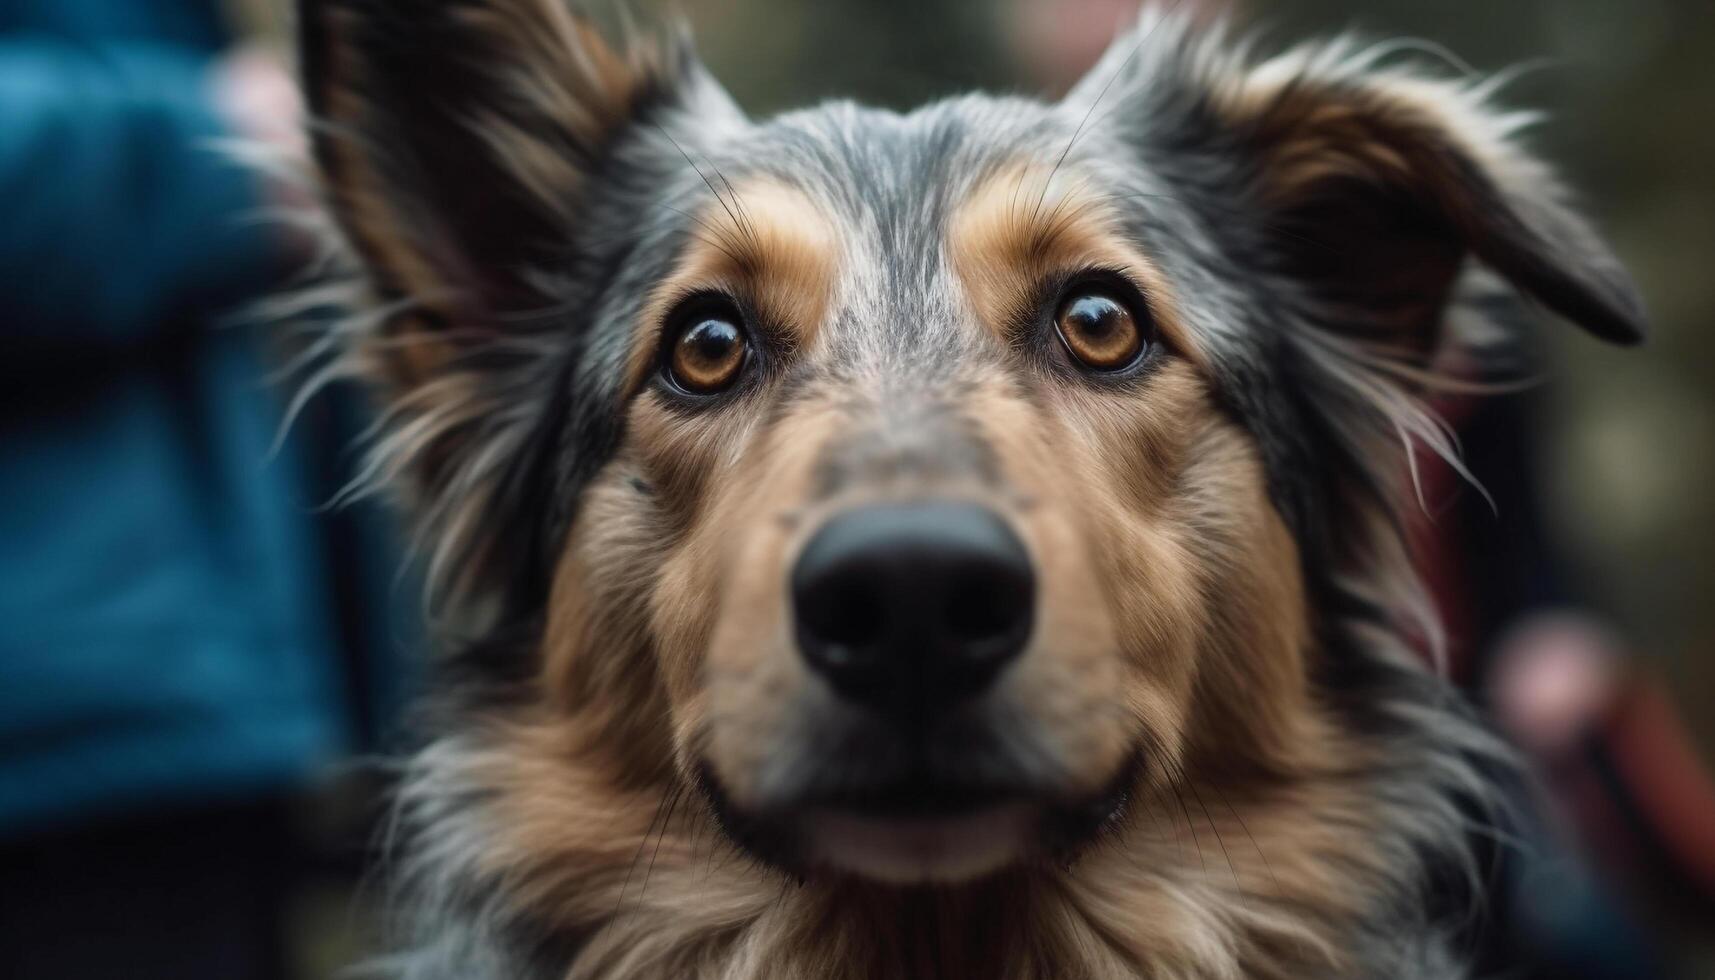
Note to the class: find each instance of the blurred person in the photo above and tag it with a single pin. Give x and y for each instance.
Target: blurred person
(186, 635)
(1618, 825)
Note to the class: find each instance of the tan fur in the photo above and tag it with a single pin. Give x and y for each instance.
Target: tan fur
(1206, 880)
(773, 246)
(1025, 222)
(1151, 496)
(766, 241)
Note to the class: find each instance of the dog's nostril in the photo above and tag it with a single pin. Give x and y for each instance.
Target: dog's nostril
(982, 606)
(913, 606)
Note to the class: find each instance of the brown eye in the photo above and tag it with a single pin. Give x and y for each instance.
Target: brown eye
(1099, 329)
(709, 352)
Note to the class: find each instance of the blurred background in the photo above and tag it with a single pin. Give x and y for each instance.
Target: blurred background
(200, 662)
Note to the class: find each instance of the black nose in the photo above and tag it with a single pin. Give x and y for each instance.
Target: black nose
(912, 607)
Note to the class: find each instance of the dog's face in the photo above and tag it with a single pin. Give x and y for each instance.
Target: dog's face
(922, 460)
(920, 487)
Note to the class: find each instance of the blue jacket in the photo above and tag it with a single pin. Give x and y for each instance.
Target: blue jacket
(179, 619)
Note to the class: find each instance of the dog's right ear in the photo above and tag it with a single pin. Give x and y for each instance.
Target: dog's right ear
(463, 147)
(457, 139)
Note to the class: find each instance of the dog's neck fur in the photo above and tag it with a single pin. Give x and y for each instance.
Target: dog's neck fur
(524, 860)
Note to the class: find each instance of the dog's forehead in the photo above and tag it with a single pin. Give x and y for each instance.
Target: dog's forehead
(890, 169)
(890, 191)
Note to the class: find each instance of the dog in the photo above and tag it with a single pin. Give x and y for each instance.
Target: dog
(961, 543)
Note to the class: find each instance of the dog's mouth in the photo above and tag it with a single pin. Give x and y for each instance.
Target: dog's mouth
(944, 847)
(920, 830)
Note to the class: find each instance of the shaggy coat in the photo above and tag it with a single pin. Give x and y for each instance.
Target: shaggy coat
(1231, 761)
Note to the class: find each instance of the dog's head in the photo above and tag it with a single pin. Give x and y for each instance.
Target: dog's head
(919, 486)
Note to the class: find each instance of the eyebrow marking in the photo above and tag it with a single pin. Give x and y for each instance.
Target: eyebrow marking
(1025, 224)
(764, 241)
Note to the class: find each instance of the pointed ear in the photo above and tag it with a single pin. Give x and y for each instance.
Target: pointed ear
(457, 139)
(465, 149)
(1379, 183)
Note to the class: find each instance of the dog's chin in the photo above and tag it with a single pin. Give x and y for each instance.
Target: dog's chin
(911, 850)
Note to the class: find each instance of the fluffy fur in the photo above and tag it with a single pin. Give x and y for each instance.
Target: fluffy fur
(1224, 655)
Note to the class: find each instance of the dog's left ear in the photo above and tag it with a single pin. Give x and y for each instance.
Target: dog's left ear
(1372, 185)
